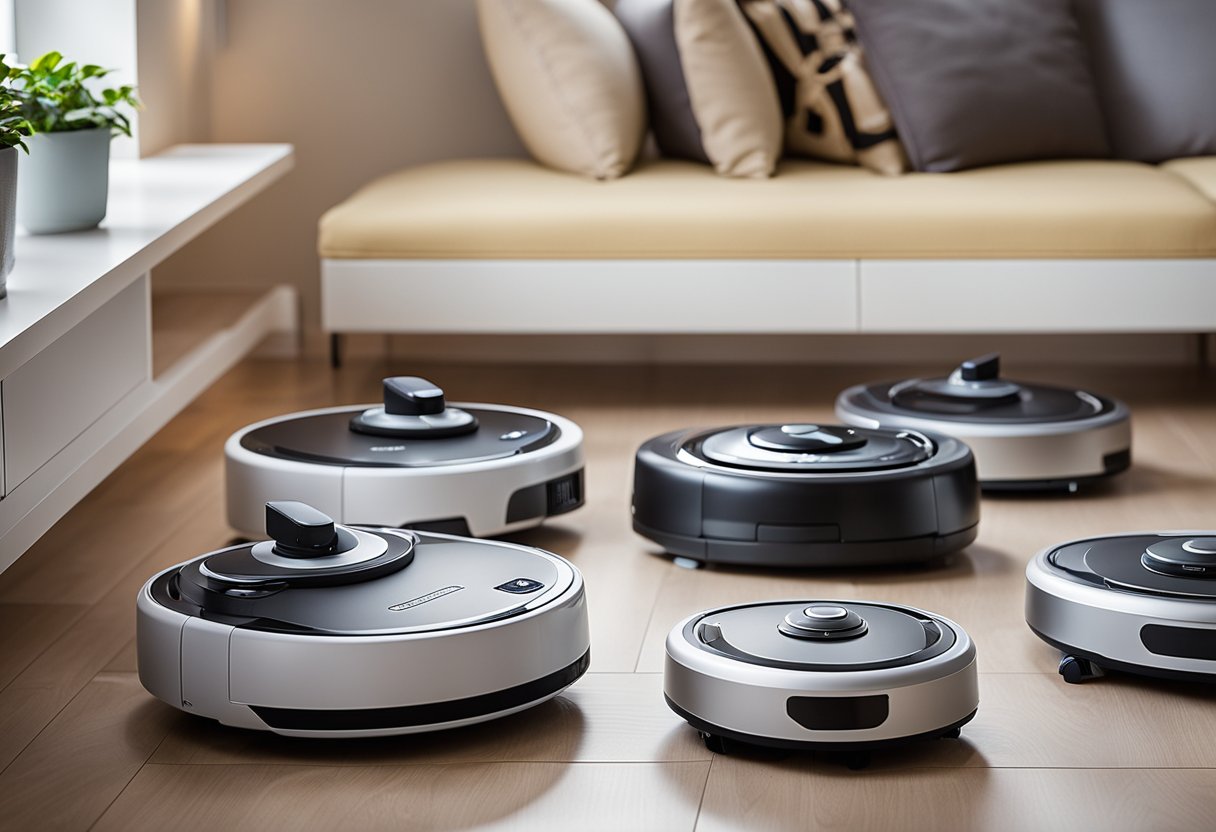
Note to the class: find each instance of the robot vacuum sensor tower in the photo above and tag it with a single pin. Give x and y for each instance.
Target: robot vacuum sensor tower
(414, 461)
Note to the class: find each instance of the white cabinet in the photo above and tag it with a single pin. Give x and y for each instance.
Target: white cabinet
(51, 399)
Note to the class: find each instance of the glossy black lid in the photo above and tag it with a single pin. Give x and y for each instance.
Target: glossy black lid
(1171, 564)
(414, 428)
(976, 392)
(810, 448)
(822, 635)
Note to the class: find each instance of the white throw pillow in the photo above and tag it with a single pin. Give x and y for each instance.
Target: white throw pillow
(570, 82)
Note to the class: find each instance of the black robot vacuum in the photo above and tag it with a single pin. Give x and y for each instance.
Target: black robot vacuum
(334, 631)
(1025, 436)
(1139, 603)
(804, 495)
(820, 674)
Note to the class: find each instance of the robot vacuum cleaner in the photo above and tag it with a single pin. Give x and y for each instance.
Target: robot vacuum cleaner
(803, 495)
(837, 675)
(1025, 436)
(414, 461)
(1140, 603)
(333, 631)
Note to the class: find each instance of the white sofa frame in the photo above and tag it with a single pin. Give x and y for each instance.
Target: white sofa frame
(766, 296)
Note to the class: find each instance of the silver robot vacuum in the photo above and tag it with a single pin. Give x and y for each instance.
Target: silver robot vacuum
(1025, 436)
(333, 631)
(805, 495)
(414, 461)
(1140, 603)
(818, 674)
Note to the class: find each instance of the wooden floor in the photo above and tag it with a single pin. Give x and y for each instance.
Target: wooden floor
(83, 746)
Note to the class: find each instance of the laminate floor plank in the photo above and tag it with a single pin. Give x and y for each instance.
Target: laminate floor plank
(28, 629)
(37, 694)
(1118, 753)
(827, 797)
(82, 761)
(506, 796)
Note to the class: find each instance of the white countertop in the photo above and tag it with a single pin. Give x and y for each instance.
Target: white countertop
(156, 206)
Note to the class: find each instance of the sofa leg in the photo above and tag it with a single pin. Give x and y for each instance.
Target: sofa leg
(335, 350)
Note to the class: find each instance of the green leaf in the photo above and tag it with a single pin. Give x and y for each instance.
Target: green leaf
(47, 62)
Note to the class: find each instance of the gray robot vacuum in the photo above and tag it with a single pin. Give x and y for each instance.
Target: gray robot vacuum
(820, 674)
(1025, 436)
(805, 495)
(412, 461)
(1141, 603)
(333, 631)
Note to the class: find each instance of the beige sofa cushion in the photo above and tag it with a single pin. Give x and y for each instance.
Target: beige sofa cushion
(513, 208)
(730, 88)
(1200, 172)
(568, 77)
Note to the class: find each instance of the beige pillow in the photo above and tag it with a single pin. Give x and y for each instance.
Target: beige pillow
(832, 108)
(730, 88)
(570, 82)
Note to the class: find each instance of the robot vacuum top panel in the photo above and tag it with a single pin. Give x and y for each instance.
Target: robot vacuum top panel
(414, 428)
(973, 393)
(1165, 565)
(821, 636)
(316, 579)
(808, 449)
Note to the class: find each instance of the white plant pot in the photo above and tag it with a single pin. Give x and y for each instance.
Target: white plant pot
(65, 181)
(8, 213)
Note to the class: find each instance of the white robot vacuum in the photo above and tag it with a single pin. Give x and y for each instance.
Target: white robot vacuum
(333, 631)
(1025, 436)
(470, 469)
(804, 495)
(838, 675)
(1141, 603)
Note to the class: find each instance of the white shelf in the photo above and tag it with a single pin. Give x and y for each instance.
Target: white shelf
(157, 205)
(74, 300)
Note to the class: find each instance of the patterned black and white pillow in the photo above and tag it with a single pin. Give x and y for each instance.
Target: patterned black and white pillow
(832, 109)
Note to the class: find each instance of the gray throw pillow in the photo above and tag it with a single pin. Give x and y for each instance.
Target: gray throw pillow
(1155, 67)
(982, 82)
(651, 26)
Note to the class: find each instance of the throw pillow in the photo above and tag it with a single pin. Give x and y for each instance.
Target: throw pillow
(711, 95)
(832, 110)
(569, 80)
(1155, 68)
(982, 82)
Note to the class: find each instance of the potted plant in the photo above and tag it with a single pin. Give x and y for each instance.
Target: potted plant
(13, 130)
(65, 177)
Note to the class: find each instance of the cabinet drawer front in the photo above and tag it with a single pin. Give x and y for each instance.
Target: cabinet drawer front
(57, 394)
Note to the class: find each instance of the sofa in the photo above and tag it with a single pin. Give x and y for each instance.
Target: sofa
(515, 246)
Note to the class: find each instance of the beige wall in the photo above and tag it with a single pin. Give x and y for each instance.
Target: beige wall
(175, 41)
(360, 87)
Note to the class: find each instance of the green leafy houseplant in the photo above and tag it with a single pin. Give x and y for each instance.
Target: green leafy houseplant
(54, 97)
(65, 177)
(14, 127)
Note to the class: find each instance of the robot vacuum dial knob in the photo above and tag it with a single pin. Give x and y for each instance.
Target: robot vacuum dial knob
(806, 439)
(823, 621)
(1194, 558)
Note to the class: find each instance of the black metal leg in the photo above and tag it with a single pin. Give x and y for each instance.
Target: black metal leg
(335, 350)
